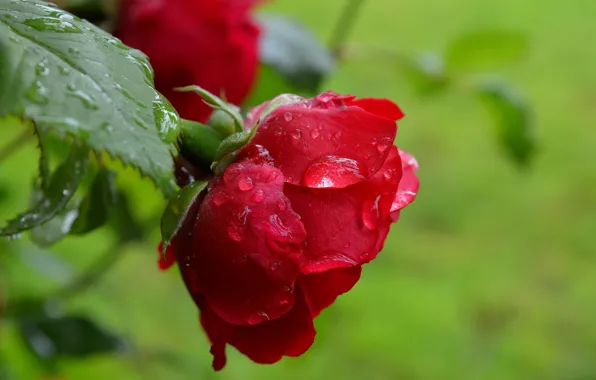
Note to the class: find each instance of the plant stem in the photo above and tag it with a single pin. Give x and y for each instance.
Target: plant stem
(14, 145)
(344, 25)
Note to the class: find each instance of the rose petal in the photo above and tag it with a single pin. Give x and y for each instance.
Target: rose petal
(289, 335)
(408, 185)
(297, 136)
(223, 57)
(246, 250)
(322, 289)
(380, 107)
(348, 226)
(164, 263)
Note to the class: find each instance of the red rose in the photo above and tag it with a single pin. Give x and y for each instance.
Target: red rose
(286, 228)
(209, 43)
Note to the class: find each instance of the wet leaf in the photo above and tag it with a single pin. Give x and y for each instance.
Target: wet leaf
(66, 336)
(95, 209)
(513, 119)
(69, 76)
(52, 200)
(294, 52)
(482, 50)
(175, 213)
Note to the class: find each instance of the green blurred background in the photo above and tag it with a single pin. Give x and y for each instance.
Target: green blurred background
(490, 274)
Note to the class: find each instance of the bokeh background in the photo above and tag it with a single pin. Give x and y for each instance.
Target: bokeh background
(490, 274)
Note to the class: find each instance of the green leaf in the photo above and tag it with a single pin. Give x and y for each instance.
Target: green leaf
(482, 50)
(95, 209)
(67, 336)
(425, 72)
(199, 139)
(124, 222)
(66, 74)
(294, 52)
(61, 188)
(513, 119)
(234, 142)
(176, 211)
(217, 103)
(58, 227)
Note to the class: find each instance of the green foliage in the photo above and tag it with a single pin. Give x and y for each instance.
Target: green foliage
(482, 50)
(200, 139)
(294, 52)
(175, 213)
(69, 76)
(75, 336)
(512, 118)
(48, 202)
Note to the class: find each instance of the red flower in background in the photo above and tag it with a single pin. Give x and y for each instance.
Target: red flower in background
(286, 228)
(209, 43)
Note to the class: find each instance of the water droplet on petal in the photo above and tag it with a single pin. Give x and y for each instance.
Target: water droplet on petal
(388, 174)
(245, 184)
(274, 266)
(297, 134)
(219, 198)
(288, 117)
(235, 232)
(356, 147)
(337, 134)
(383, 145)
(367, 155)
(332, 171)
(370, 214)
(258, 317)
(258, 196)
(347, 244)
(314, 133)
(364, 256)
(273, 176)
(281, 205)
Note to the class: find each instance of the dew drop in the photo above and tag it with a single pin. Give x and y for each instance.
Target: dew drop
(332, 171)
(383, 145)
(356, 147)
(367, 155)
(388, 175)
(220, 198)
(107, 127)
(347, 244)
(258, 196)
(273, 176)
(370, 214)
(274, 266)
(364, 256)
(258, 317)
(297, 134)
(37, 93)
(235, 232)
(314, 133)
(337, 134)
(245, 184)
(288, 117)
(281, 205)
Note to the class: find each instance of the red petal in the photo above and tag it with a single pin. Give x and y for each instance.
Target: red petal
(322, 289)
(224, 54)
(408, 185)
(265, 343)
(346, 227)
(380, 107)
(246, 250)
(164, 263)
(298, 135)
